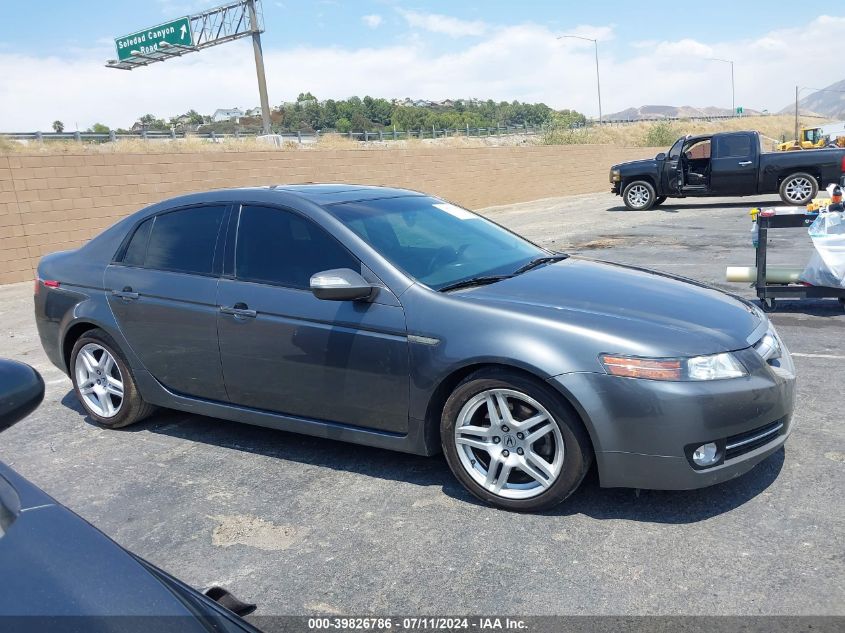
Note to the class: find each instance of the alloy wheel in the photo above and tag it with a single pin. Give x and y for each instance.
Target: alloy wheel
(509, 443)
(798, 189)
(638, 196)
(99, 380)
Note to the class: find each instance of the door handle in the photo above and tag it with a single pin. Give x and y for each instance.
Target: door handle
(745, 163)
(126, 294)
(239, 310)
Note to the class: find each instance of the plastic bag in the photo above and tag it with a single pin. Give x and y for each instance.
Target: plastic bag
(827, 265)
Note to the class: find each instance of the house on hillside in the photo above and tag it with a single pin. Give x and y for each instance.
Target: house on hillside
(227, 114)
(253, 112)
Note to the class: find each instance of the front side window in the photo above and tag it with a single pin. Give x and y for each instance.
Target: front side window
(675, 150)
(280, 247)
(183, 241)
(435, 242)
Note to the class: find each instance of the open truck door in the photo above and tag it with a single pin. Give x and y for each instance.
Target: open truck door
(673, 170)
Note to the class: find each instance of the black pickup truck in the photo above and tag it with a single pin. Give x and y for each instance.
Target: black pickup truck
(726, 164)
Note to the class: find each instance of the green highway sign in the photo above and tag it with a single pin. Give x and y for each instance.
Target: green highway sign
(149, 40)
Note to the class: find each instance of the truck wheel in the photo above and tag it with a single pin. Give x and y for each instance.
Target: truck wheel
(639, 195)
(798, 189)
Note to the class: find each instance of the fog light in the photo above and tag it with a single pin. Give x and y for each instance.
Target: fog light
(705, 455)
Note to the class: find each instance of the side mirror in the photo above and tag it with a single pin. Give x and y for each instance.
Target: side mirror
(21, 391)
(341, 284)
(660, 156)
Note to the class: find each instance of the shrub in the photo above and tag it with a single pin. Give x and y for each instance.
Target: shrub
(660, 134)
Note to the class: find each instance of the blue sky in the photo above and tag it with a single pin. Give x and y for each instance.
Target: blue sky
(650, 53)
(61, 25)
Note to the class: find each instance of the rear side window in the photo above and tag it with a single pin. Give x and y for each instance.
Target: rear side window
(738, 146)
(183, 241)
(280, 247)
(137, 248)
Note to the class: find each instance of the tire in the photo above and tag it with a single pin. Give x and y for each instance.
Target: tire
(659, 200)
(107, 405)
(564, 446)
(639, 195)
(798, 189)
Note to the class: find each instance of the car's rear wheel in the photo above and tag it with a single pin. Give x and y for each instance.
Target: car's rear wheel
(104, 383)
(639, 195)
(798, 188)
(512, 442)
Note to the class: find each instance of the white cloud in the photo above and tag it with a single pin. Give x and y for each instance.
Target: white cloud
(373, 21)
(530, 65)
(437, 23)
(683, 48)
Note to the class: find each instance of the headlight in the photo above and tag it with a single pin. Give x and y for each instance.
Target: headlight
(769, 347)
(615, 176)
(715, 367)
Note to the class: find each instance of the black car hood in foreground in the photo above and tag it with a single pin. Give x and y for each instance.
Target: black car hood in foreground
(59, 570)
(626, 310)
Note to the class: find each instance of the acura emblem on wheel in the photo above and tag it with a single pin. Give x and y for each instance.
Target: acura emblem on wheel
(509, 441)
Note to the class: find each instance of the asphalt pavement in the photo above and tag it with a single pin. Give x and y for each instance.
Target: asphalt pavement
(301, 525)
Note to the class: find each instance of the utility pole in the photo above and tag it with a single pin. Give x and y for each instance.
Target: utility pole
(733, 92)
(598, 78)
(259, 67)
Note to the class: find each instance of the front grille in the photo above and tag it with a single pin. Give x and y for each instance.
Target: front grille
(742, 443)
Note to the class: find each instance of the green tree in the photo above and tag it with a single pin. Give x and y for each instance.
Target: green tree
(58, 126)
(99, 128)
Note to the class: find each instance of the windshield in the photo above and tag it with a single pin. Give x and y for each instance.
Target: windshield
(435, 242)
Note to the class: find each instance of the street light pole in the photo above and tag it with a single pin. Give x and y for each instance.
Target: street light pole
(259, 67)
(733, 93)
(598, 78)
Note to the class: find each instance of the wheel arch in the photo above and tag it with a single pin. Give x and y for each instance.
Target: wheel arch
(810, 171)
(645, 178)
(446, 386)
(72, 335)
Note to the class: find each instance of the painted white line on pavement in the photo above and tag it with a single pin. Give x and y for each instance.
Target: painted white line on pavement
(818, 355)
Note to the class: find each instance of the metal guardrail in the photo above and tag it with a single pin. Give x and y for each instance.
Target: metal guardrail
(385, 134)
(283, 137)
(722, 117)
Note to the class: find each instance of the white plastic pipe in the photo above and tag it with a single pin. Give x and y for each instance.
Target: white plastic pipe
(774, 274)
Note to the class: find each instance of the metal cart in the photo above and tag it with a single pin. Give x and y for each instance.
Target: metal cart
(785, 218)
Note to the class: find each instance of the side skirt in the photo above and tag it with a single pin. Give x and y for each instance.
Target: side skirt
(414, 442)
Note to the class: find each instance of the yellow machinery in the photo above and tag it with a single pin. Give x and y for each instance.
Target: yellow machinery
(817, 137)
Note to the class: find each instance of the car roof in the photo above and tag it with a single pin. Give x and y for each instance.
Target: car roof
(322, 194)
(702, 137)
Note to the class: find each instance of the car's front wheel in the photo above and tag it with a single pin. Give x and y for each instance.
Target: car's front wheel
(104, 383)
(639, 195)
(512, 442)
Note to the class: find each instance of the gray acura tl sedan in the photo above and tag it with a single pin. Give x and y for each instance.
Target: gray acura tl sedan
(394, 319)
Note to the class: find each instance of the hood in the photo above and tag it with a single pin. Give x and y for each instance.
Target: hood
(643, 163)
(626, 310)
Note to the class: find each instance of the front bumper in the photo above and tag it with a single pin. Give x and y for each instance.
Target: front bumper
(643, 430)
